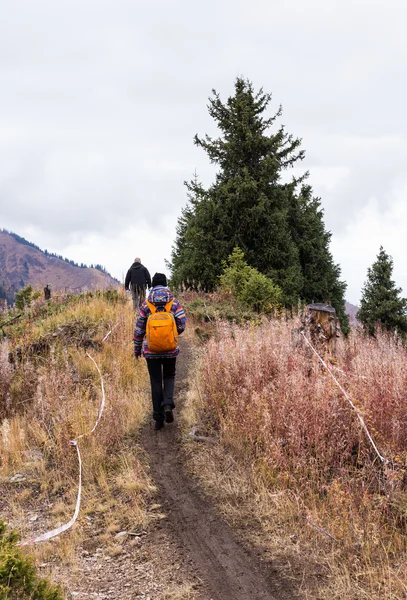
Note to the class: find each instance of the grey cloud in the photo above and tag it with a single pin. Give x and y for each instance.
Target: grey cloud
(99, 102)
(375, 165)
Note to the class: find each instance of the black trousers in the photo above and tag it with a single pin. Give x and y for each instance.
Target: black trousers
(162, 379)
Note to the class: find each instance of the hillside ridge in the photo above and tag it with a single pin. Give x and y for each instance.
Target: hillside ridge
(23, 263)
(352, 311)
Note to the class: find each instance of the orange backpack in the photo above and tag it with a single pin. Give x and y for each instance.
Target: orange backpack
(161, 329)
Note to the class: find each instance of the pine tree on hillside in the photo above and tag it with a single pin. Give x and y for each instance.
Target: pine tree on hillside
(321, 276)
(192, 265)
(381, 301)
(250, 206)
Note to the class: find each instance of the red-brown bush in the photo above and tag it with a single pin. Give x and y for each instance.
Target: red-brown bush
(269, 394)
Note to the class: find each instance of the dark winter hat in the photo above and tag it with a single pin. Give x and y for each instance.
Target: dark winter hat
(159, 279)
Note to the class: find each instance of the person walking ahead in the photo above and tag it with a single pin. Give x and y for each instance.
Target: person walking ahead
(160, 320)
(137, 279)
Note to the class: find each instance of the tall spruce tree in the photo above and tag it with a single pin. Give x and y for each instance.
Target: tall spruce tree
(321, 276)
(278, 226)
(381, 302)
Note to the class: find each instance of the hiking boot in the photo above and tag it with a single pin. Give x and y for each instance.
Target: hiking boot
(158, 425)
(169, 417)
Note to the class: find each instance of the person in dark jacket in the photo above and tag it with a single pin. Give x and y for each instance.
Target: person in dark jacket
(137, 279)
(161, 366)
(47, 292)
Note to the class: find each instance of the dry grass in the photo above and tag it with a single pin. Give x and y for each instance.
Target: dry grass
(54, 396)
(294, 468)
(182, 592)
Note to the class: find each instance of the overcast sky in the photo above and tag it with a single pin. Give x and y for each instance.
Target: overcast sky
(100, 100)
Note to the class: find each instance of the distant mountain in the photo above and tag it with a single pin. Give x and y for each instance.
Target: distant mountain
(23, 263)
(352, 311)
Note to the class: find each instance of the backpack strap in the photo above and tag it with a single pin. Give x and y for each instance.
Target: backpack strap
(168, 306)
(152, 307)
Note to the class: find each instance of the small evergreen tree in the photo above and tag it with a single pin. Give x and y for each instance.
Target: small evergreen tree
(18, 578)
(260, 293)
(24, 297)
(250, 288)
(381, 302)
(236, 273)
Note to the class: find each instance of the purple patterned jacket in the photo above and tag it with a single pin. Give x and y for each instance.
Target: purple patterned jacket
(159, 296)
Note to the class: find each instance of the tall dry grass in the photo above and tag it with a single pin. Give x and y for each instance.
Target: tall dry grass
(54, 395)
(313, 470)
(5, 379)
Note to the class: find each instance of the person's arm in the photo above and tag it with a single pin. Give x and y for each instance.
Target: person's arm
(180, 317)
(148, 278)
(140, 329)
(127, 280)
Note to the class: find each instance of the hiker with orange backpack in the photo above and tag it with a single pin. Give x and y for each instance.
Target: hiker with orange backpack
(160, 320)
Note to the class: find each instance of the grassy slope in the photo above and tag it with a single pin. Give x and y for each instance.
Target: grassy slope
(51, 394)
(293, 471)
(292, 468)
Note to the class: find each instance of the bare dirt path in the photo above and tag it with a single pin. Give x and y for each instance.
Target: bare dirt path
(209, 547)
(188, 552)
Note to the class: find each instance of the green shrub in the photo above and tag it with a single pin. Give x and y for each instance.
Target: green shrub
(18, 580)
(248, 286)
(24, 297)
(236, 273)
(259, 293)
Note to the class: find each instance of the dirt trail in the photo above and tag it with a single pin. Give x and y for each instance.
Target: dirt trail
(226, 570)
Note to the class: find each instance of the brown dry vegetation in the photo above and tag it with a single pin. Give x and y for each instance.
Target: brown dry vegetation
(293, 470)
(52, 396)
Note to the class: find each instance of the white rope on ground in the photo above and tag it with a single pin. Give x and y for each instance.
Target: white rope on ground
(102, 405)
(51, 534)
(348, 374)
(206, 312)
(349, 399)
(111, 331)
(320, 529)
